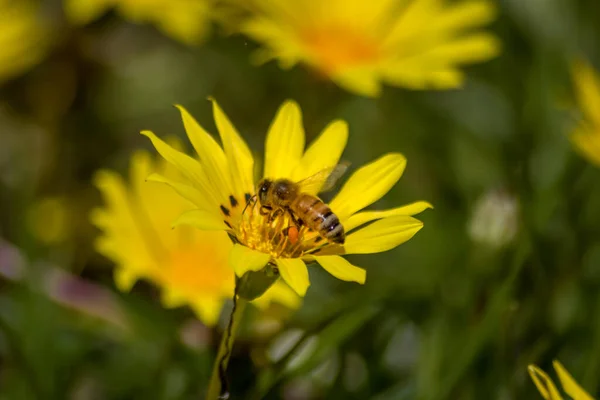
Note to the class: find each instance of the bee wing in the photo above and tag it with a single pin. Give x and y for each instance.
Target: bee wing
(324, 180)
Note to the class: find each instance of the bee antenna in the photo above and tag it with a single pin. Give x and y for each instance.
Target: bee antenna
(251, 199)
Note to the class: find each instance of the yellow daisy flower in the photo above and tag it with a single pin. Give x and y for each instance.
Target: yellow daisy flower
(23, 37)
(184, 20)
(417, 44)
(49, 220)
(220, 183)
(547, 388)
(586, 135)
(188, 264)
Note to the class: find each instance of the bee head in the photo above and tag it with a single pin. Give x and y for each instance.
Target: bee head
(263, 189)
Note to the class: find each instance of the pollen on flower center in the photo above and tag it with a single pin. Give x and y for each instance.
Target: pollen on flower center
(337, 47)
(276, 234)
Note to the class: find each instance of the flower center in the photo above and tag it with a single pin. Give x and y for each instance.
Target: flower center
(337, 47)
(276, 233)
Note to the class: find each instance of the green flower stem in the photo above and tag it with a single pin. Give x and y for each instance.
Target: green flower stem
(217, 388)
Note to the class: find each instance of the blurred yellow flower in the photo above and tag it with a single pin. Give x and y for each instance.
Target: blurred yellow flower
(49, 220)
(220, 184)
(547, 388)
(189, 265)
(586, 135)
(417, 44)
(23, 37)
(184, 20)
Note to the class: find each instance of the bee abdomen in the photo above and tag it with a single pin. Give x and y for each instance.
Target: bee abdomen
(319, 217)
(329, 225)
(332, 229)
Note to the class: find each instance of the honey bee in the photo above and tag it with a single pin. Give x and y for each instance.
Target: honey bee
(282, 195)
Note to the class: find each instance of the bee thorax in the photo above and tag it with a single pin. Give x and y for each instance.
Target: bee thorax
(284, 191)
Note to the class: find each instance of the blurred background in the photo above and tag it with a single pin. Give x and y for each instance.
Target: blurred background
(505, 272)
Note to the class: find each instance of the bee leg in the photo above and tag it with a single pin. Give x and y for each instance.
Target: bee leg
(275, 214)
(297, 221)
(265, 210)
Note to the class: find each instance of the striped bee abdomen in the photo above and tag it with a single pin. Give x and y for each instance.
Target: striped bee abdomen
(332, 229)
(319, 217)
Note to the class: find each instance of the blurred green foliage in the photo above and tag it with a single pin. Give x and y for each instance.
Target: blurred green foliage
(445, 316)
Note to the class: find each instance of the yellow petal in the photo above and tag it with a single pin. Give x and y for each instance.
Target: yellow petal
(187, 166)
(418, 73)
(108, 248)
(201, 219)
(342, 269)
(363, 14)
(587, 85)
(464, 15)
(544, 384)
(100, 218)
(470, 49)
(186, 21)
(279, 293)
(265, 30)
(185, 191)
(210, 153)
(409, 26)
(443, 79)
(285, 142)
(172, 298)
(113, 189)
(294, 273)
(118, 203)
(363, 81)
(368, 184)
(141, 166)
(243, 259)
(324, 152)
(587, 142)
(361, 218)
(208, 309)
(382, 235)
(125, 278)
(568, 383)
(82, 12)
(239, 156)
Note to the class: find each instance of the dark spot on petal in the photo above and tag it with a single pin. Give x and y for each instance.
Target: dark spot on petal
(247, 196)
(233, 201)
(225, 210)
(228, 224)
(232, 237)
(318, 239)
